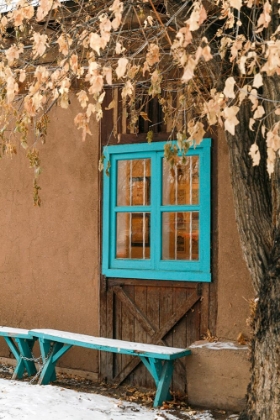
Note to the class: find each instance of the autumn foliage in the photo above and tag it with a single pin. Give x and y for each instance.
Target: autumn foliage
(214, 54)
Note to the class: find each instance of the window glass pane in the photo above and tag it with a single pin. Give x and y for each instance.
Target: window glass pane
(134, 182)
(180, 236)
(133, 235)
(181, 182)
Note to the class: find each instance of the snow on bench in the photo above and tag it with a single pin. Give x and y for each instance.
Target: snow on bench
(21, 343)
(157, 359)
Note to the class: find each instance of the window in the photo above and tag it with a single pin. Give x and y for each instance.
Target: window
(156, 220)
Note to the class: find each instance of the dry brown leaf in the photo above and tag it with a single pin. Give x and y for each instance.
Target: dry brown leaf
(210, 337)
(242, 339)
(144, 115)
(111, 105)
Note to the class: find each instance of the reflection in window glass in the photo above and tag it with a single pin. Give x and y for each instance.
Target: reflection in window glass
(133, 235)
(180, 235)
(181, 182)
(134, 177)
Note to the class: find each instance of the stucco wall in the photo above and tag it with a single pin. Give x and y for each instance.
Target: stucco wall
(218, 375)
(49, 256)
(234, 286)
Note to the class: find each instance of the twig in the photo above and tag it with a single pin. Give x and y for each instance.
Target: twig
(160, 21)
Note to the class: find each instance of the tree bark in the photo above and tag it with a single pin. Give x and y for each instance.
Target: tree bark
(264, 387)
(257, 209)
(252, 197)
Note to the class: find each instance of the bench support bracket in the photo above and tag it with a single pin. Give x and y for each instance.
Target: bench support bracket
(20, 351)
(51, 354)
(161, 371)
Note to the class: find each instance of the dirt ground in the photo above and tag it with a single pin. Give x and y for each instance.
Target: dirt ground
(179, 407)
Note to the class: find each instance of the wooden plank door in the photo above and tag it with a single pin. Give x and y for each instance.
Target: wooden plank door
(157, 312)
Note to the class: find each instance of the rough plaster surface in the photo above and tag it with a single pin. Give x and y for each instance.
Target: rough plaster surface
(234, 286)
(49, 256)
(49, 259)
(218, 377)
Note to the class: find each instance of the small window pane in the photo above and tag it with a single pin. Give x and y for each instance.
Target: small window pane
(133, 235)
(134, 182)
(181, 182)
(180, 236)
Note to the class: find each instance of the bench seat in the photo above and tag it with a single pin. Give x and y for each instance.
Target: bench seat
(21, 343)
(157, 359)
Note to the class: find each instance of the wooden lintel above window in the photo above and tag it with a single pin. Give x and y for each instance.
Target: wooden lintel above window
(142, 138)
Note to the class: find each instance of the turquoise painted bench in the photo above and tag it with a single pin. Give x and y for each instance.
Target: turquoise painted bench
(158, 360)
(21, 344)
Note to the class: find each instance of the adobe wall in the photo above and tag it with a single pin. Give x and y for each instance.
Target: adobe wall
(49, 256)
(233, 283)
(50, 262)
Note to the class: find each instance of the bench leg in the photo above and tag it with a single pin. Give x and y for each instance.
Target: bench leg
(162, 372)
(50, 357)
(48, 372)
(163, 393)
(24, 350)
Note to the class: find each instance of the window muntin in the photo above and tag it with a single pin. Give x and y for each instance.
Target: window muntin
(157, 218)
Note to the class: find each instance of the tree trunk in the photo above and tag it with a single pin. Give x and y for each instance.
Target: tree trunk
(264, 388)
(257, 209)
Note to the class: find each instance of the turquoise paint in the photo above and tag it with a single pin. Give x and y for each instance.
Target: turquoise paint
(25, 349)
(61, 352)
(13, 348)
(146, 363)
(160, 365)
(21, 346)
(154, 267)
(162, 393)
(160, 275)
(46, 339)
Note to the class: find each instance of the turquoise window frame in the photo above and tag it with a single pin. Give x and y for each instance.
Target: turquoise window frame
(154, 267)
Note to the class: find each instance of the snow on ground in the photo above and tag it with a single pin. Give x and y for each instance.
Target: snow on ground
(219, 345)
(20, 401)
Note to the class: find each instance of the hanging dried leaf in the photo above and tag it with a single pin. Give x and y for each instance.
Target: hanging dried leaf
(122, 65)
(144, 115)
(258, 80)
(229, 88)
(255, 154)
(111, 105)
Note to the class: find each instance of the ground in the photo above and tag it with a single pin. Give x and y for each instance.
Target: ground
(177, 409)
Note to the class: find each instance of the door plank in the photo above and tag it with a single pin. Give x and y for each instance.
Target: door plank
(153, 308)
(103, 325)
(166, 310)
(179, 334)
(118, 311)
(128, 331)
(108, 368)
(140, 299)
